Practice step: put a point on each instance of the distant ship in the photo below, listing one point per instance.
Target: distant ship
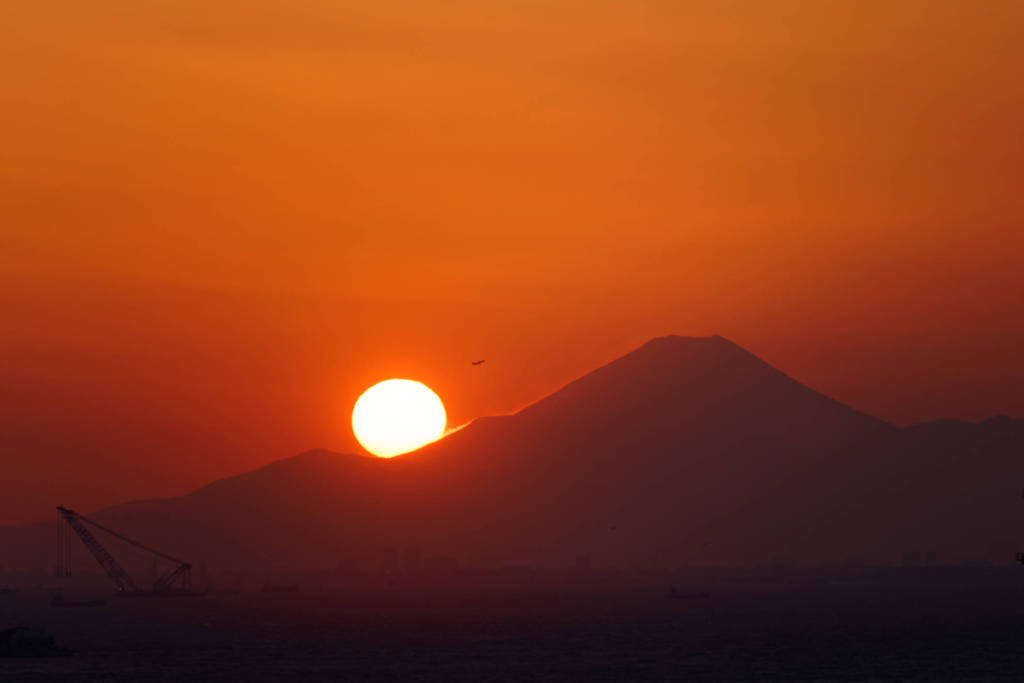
(60, 601)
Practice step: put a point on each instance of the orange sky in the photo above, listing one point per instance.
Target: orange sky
(220, 221)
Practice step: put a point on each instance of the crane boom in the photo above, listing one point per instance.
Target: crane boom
(117, 574)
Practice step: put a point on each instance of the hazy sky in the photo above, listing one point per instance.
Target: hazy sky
(222, 220)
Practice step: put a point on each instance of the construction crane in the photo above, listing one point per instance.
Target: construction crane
(176, 582)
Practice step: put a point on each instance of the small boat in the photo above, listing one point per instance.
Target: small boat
(22, 641)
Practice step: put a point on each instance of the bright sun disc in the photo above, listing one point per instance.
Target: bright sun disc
(397, 416)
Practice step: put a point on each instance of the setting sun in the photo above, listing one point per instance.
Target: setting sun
(397, 416)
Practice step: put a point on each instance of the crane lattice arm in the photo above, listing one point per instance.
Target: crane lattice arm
(116, 573)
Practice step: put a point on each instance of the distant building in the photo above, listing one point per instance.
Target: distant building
(912, 558)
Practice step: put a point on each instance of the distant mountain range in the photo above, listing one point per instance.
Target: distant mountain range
(687, 451)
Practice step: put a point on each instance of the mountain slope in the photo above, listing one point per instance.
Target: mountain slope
(631, 459)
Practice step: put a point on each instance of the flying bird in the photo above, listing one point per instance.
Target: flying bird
(477, 362)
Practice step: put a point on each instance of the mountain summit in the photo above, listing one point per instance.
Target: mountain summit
(672, 387)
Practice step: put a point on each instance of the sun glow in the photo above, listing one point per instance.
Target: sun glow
(397, 416)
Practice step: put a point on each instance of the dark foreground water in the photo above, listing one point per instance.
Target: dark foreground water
(961, 628)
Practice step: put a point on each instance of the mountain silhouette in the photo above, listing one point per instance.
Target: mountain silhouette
(685, 451)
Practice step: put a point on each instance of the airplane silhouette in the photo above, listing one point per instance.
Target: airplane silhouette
(477, 362)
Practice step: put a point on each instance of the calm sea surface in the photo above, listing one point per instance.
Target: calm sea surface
(968, 628)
